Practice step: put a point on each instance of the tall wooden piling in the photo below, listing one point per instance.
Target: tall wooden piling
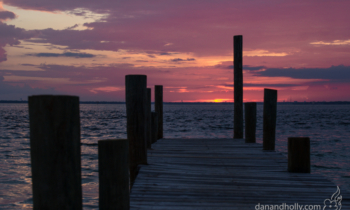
(158, 105)
(299, 154)
(148, 119)
(269, 119)
(113, 167)
(250, 122)
(154, 127)
(55, 151)
(238, 87)
(135, 93)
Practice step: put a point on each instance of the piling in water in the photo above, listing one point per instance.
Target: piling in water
(55, 152)
(238, 87)
(299, 154)
(269, 119)
(113, 167)
(250, 122)
(135, 93)
(154, 127)
(148, 119)
(158, 105)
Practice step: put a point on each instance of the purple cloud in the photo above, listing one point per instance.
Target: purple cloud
(166, 28)
(66, 54)
(15, 92)
(4, 15)
(180, 59)
(335, 73)
(11, 35)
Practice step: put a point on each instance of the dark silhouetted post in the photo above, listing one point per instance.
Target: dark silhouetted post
(135, 93)
(269, 119)
(250, 122)
(158, 106)
(55, 151)
(154, 127)
(299, 154)
(148, 119)
(113, 168)
(238, 87)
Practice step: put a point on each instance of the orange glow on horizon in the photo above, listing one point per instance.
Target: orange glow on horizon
(220, 100)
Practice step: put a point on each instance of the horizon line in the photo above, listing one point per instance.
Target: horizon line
(193, 102)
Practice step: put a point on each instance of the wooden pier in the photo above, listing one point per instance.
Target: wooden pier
(223, 174)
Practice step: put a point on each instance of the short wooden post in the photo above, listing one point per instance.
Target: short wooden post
(238, 87)
(135, 93)
(299, 154)
(113, 168)
(154, 127)
(158, 105)
(55, 151)
(269, 119)
(250, 122)
(148, 119)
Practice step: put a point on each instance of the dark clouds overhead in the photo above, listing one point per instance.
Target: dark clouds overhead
(11, 35)
(15, 92)
(180, 59)
(173, 30)
(337, 73)
(204, 28)
(67, 54)
(252, 68)
(4, 15)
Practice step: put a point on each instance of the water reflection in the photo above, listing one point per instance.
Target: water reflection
(326, 125)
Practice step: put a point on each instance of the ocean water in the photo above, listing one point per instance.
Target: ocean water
(328, 127)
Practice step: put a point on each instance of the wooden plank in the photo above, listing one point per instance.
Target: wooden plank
(223, 174)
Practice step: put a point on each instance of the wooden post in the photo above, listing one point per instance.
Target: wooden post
(148, 119)
(158, 105)
(154, 127)
(113, 168)
(299, 154)
(269, 119)
(238, 87)
(135, 93)
(55, 151)
(250, 122)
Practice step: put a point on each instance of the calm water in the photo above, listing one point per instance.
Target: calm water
(328, 127)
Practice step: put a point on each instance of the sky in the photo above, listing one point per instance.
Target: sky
(85, 48)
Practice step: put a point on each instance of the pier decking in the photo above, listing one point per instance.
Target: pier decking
(223, 174)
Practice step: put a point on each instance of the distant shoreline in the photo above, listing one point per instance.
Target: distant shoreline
(195, 103)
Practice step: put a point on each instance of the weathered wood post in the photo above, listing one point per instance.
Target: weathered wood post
(148, 119)
(154, 127)
(269, 119)
(238, 87)
(250, 122)
(55, 151)
(135, 93)
(158, 106)
(299, 154)
(113, 168)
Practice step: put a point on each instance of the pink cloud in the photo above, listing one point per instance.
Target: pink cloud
(187, 84)
(277, 34)
(202, 28)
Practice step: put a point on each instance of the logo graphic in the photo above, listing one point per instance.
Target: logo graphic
(335, 202)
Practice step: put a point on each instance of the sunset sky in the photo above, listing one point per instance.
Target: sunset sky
(85, 48)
